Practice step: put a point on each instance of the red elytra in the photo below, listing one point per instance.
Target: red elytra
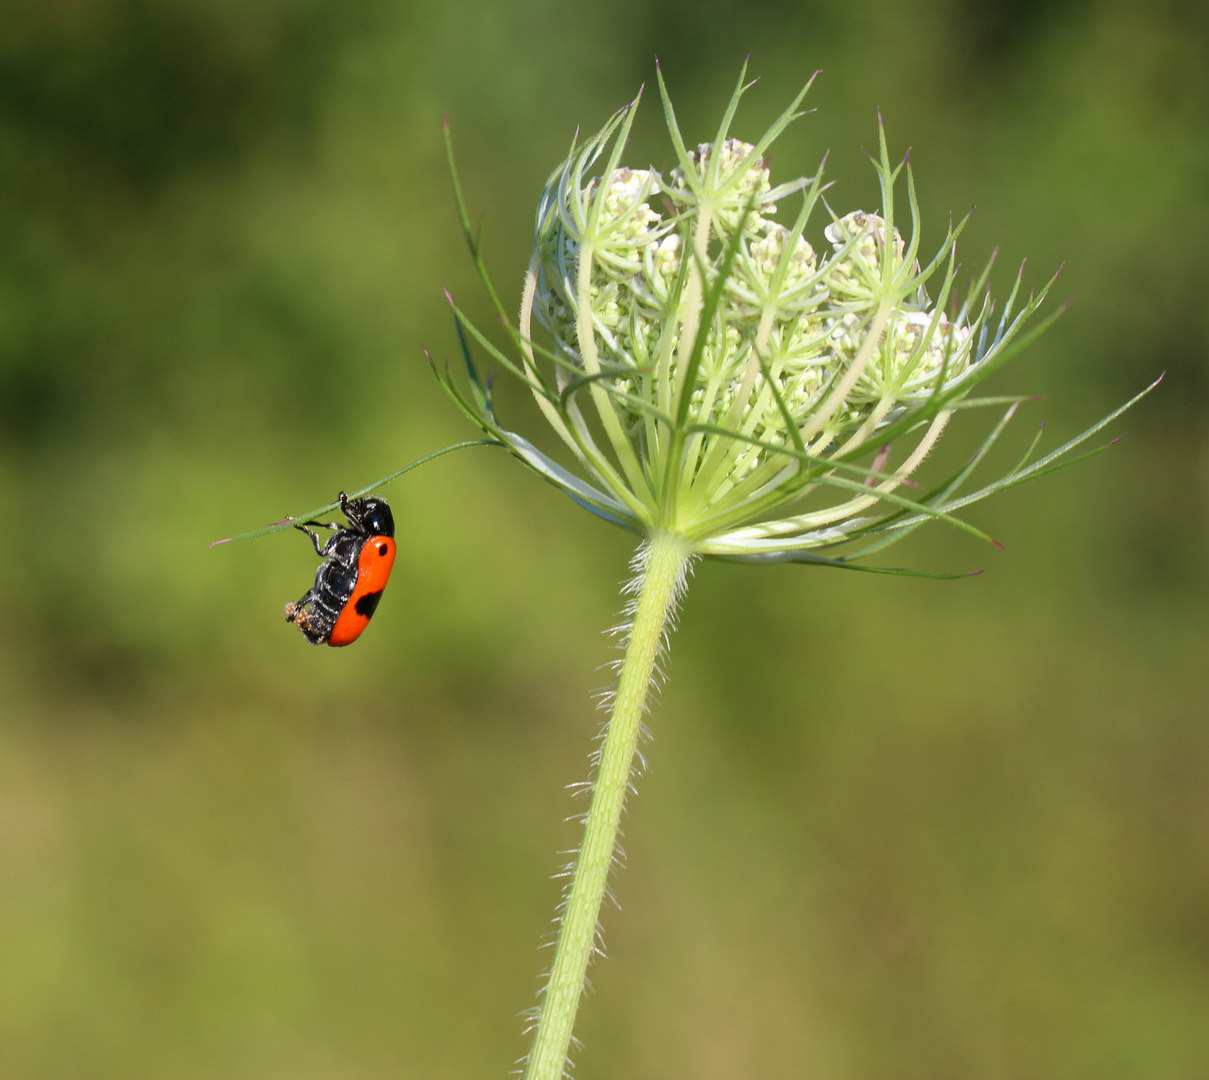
(357, 561)
(376, 561)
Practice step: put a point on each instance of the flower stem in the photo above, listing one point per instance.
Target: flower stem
(661, 566)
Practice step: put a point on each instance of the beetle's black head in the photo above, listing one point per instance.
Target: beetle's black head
(372, 516)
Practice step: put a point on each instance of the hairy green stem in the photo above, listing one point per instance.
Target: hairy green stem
(662, 563)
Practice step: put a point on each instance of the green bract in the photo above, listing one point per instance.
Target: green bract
(717, 377)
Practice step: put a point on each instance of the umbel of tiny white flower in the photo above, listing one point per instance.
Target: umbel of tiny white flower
(717, 377)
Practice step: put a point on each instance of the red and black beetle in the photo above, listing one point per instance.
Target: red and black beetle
(357, 560)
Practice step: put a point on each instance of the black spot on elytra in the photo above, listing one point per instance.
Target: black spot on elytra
(382, 549)
(368, 604)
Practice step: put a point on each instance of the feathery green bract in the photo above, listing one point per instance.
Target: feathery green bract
(290, 520)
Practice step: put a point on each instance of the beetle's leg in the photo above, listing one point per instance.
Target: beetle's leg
(354, 518)
(313, 535)
(330, 545)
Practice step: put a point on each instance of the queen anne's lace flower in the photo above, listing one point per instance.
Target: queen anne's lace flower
(718, 376)
(727, 388)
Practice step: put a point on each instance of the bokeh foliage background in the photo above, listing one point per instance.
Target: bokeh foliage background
(894, 828)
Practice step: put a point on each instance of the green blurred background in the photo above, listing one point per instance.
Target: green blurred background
(893, 828)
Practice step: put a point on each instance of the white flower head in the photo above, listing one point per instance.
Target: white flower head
(714, 375)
